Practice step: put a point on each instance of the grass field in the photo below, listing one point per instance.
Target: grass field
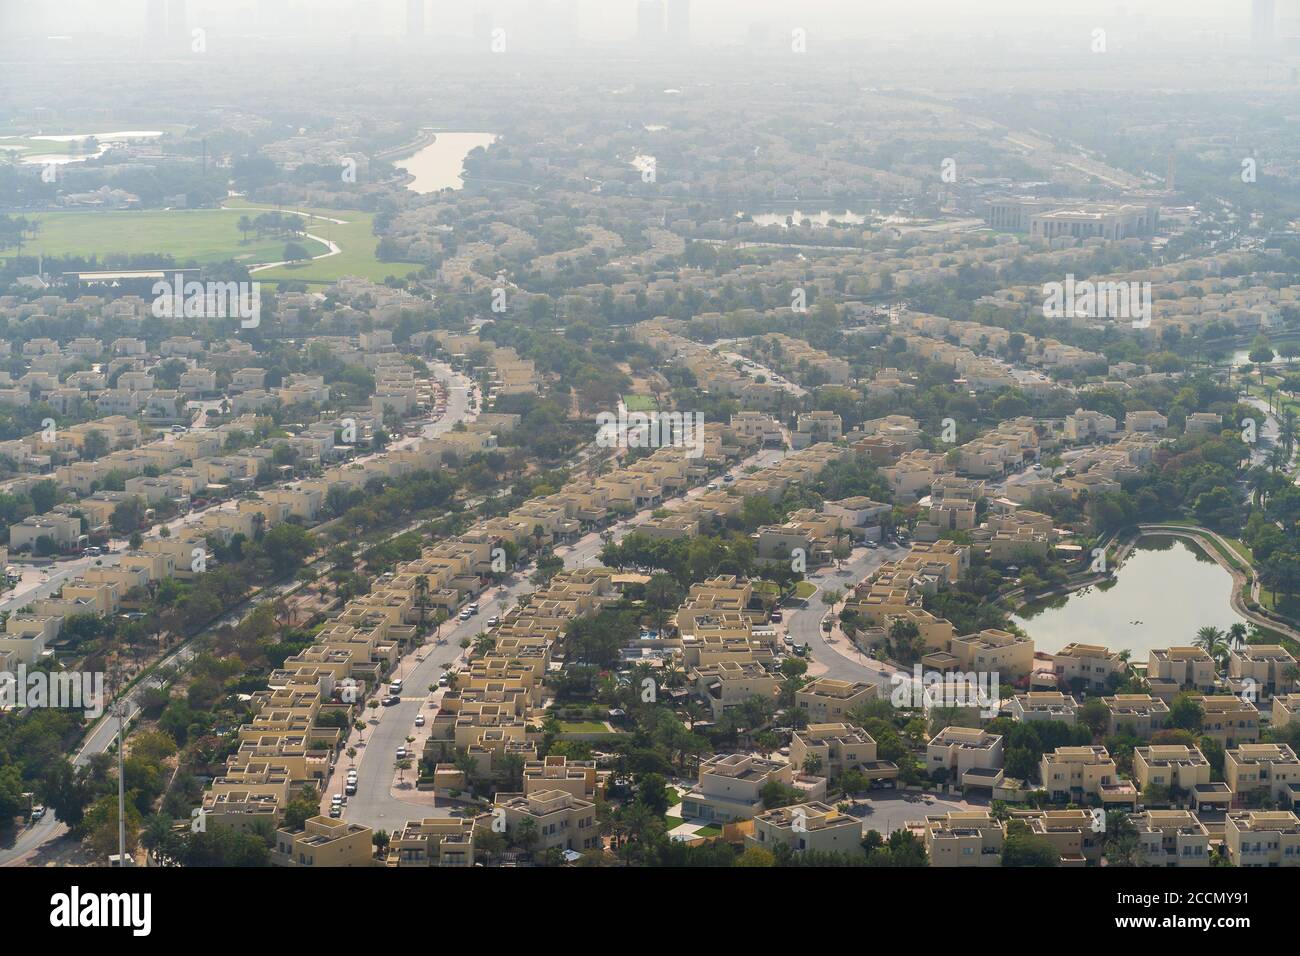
(205, 236)
(355, 239)
(208, 236)
(640, 403)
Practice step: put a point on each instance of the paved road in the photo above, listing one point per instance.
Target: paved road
(841, 660)
(374, 804)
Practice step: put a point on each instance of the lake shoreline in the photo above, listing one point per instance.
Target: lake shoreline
(1098, 609)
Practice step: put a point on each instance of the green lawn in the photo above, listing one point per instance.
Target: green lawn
(207, 236)
(355, 238)
(804, 590)
(20, 146)
(640, 403)
(583, 727)
(204, 236)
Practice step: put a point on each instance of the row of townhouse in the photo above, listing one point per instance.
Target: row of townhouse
(488, 714)
(1192, 294)
(931, 332)
(711, 370)
(103, 590)
(797, 358)
(507, 372)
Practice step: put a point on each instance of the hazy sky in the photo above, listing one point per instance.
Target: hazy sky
(712, 20)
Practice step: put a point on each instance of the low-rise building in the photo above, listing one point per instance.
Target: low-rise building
(324, 842)
(962, 838)
(1076, 773)
(730, 787)
(1171, 838)
(1177, 767)
(1270, 771)
(828, 701)
(808, 826)
(1262, 838)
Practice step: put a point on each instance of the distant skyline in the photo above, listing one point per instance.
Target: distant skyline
(711, 21)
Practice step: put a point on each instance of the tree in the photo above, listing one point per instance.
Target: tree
(94, 445)
(1024, 848)
(1185, 714)
(755, 856)
(1261, 354)
(1211, 640)
(652, 792)
(905, 636)
(127, 516)
(288, 546)
(422, 596)
(1094, 714)
(664, 594)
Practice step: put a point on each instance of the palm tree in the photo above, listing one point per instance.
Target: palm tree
(1237, 634)
(1287, 429)
(1278, 458)
(1258, 480)
(422, 596)
(1211, 640)
(483, 642)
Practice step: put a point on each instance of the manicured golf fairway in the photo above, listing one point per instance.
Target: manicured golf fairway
(355, 239)
(205, 236)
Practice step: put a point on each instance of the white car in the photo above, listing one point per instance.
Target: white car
(419, 720)
(401, 753)
(337, 799)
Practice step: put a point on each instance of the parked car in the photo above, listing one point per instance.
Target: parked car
(337, 799)
(464, 615)
(472, 608)
(777, 615)
(395, 686)
(443, 681)
(401, 753)
(391, 700)
(419, 720)
(38, 812)
(350, 789)
(336, 812)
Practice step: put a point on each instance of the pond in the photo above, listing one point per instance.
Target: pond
(1166, 590)
(440, 164)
